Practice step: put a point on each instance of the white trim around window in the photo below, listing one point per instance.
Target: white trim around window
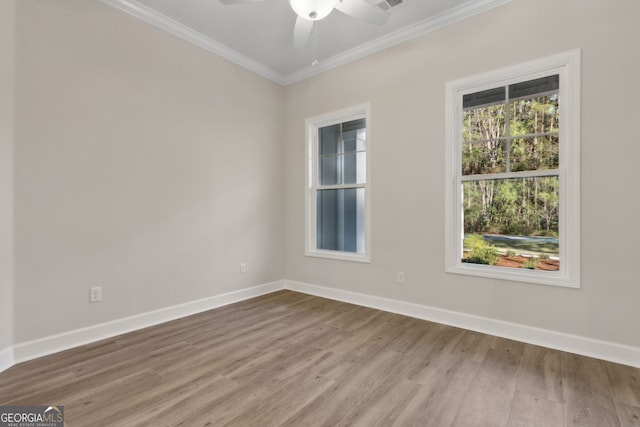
(567, 66)
(314, 186)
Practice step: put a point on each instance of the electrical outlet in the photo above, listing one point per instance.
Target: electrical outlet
(243, 268)
(95, 294)
(400, 277)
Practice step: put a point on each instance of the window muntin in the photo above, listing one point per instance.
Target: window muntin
(514, 166)
(337, 201)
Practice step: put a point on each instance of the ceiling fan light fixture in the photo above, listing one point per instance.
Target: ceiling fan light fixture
(312, 10)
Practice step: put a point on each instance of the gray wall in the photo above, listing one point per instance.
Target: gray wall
(144, 165)
(406, 88)
(7, 32)
(150, 167)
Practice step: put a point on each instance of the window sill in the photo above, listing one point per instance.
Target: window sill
(341, 256)
(519, 275)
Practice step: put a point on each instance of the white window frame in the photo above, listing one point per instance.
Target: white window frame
(312, 125)
(567, 66)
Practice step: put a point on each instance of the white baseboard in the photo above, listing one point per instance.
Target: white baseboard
(6, 358)
(604, 350)
(55, 343)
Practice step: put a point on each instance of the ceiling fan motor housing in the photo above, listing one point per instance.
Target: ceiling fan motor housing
(312, 10)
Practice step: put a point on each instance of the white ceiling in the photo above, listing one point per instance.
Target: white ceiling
(259, 35)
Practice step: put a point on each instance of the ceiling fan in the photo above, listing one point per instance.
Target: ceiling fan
(311, 11)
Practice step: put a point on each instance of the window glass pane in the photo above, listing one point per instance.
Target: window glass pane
(342, 157)
(537, 153)
(354, 140)
(535, 86)
(329, 171)
(354, 125)
(340, 216)
(534, 115)
(486, 97)
(512, 222)
(483, 157)
(354, 168)
(484, 123)
(361, 139)
(329, 140)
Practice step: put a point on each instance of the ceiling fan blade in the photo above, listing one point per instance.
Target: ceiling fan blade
(238, 1)
(363, 10)
(302, 32)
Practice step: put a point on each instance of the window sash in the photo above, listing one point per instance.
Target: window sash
(314, 187)
(511, 175)
(567, 67)
(504, 138)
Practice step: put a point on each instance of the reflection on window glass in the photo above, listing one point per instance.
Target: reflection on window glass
(340, 211)
(341, 220)
(329, 138)
(342, 150)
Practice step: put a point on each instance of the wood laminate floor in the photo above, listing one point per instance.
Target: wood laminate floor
(290, 359)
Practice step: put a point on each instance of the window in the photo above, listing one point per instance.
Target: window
(337, 185)
(512, 184)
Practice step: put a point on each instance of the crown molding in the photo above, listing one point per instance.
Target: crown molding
(458, 13)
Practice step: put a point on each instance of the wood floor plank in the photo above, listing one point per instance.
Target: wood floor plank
(276, 408)
(88, 405)
(218, 357)
(73, 387)
(242, 335)
(474, 345)
(360, 380)
(421, 362)
(629, 415)
(223, 408)
(298, 360)
(334, 365)
(385, 411)
(220, 410)
(437, 402)
(171, 408)
(587, 393)
(410, 336)
(625, 383)
(420, 357)
(529, 410)
(354, 318)
(34, 369)
(488, 400)
(166, 392)
(541, 373)
(26, 391)
(272, 368)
